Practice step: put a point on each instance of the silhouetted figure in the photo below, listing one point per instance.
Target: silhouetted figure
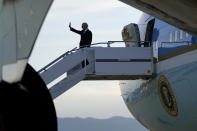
(86, 35)
(86, 38)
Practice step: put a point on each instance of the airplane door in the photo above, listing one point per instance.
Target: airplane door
(149, 32)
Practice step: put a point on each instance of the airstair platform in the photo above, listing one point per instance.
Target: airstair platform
(97, 63)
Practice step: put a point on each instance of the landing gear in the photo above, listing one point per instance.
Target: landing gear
(27, 105)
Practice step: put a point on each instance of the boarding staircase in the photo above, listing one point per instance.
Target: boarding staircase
(99, 63)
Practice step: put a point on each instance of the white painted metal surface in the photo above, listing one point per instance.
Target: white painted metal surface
(123, 68)
(122, 53)
(176, 61)
(61, 66)
(13, 72)
(20, 23)
(123, 61)
(114, 63)
(68, 82)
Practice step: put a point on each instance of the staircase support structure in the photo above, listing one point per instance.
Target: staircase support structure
(97, 63)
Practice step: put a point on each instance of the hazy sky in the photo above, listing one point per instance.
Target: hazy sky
(106, 18)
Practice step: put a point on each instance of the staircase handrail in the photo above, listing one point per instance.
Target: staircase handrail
(57, 59)
(108, 43)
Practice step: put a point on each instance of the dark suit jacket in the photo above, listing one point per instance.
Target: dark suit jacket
(86, 38)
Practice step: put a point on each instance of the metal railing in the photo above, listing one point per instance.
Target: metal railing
(108, 43)
(57, 59)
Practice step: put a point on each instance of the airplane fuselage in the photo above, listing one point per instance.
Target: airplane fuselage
(166, 102)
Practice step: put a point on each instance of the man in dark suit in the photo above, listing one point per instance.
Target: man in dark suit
(86, 35)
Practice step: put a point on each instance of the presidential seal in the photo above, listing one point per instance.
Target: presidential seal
(166, 95)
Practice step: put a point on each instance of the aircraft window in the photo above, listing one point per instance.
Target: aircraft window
(181, 34)
(175, 35)
(155, 47)
(186, 35)
(170, 37)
